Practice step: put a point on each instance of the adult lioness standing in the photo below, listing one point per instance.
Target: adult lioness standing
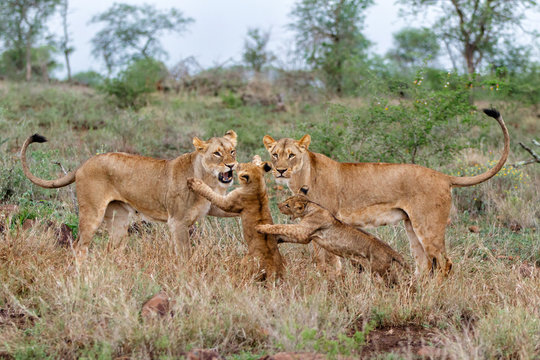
(375, 194)
(113, 186)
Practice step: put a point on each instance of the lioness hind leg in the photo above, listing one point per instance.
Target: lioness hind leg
(417, 250)
(90, 217)
(117, 218)
(431, 237)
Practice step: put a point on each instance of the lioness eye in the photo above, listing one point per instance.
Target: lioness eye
(274, 156)
(291, 156)
(217, 153)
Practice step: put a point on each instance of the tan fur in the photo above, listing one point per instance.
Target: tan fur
(319, 225)
(250, 200)
(113, 186)
(376, 194)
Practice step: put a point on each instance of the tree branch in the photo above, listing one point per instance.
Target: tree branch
(535, 159)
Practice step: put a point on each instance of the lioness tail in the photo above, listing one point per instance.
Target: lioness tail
(49, 184)
(473, 180)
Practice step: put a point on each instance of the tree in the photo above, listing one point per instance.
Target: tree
(133, 32)
(474, 27)
(255, 53)
(413, 46)
(65, 41)
(23, 22)
(328, 34)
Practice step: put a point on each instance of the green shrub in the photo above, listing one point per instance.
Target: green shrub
(89, 78)
(130, 89)
(425, 129)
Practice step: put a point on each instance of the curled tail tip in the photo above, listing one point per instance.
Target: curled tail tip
(38, 138)
(493, 113)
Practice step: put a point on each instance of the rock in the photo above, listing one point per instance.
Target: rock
(159, 304)
(474, 229)
(202, 354)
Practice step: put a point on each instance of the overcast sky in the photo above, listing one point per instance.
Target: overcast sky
(220, 28)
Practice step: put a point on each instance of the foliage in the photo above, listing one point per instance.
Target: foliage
(131, 87)
(132, 31)
(413, 46)
(423, 129)
(474, 28)
(24, 23)
(328, 34)
(256, 54)
(41, 58)
(90, 78)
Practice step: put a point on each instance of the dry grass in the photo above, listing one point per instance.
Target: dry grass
(487, 307)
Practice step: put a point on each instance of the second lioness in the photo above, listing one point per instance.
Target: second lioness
(319, 225)
(250, 200)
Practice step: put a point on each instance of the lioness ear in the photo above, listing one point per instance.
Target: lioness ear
(231, 136)
(304, 142)
(304, 189)
(199, 144)
(268, 142)
(266, 166)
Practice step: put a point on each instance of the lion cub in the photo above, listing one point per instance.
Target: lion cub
(319, 225)
(250, 200)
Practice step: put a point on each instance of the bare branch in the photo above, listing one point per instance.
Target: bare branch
(535, 159)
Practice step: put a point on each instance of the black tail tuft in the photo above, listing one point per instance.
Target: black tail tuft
(38, 138)
(493, 113)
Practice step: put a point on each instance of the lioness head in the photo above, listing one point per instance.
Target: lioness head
(296, 206)
(218, 156)
(287, 155)
(253, 172)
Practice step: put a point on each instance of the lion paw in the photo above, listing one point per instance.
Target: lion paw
(193, 183)
(262, 228)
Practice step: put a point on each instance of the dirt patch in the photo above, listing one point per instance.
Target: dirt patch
(414, 340)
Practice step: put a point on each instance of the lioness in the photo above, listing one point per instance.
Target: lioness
(250, 200)
(113, 186)
(376, 194)
(319, 225)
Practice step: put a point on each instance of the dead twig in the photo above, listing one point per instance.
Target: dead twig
(535, 159)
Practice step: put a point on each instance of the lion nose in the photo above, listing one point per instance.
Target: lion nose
(281, 171)
(230, 166)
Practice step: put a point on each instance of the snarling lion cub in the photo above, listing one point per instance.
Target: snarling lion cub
(376, 194)
(250, 200)
(319, 225)
(113, 186)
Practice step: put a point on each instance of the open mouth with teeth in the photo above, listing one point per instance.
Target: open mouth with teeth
(226, 177)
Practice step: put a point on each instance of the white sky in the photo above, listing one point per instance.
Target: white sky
(220, 28)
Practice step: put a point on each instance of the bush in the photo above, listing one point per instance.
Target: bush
(130, 89)
(89, 78)
(423, 130)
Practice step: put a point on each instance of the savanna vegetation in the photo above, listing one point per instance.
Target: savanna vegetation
(356, 105)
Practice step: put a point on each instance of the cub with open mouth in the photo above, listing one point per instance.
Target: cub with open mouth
(250, 200)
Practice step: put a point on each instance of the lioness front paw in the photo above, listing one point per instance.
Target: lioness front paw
(194, 183)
